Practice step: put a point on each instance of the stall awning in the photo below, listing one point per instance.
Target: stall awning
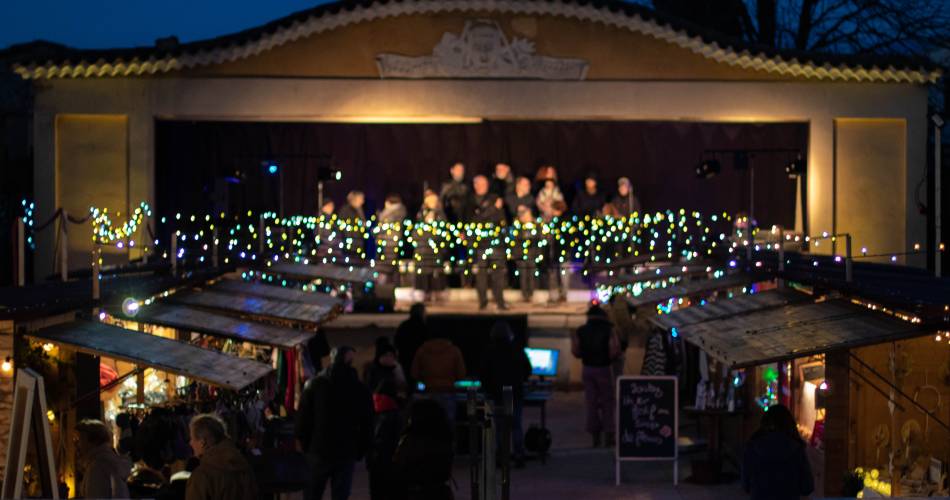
(207, 366)
(796, 331)
(645, 274)
(258, 307)
(276, 292)
(331, 272)
(723, 308)
(655, 295)
(218, 325)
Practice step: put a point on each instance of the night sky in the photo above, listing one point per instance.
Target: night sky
(125, 23)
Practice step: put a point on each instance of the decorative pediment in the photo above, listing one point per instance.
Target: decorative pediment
(482, 50)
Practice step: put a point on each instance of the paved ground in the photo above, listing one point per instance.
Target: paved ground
(575, 471)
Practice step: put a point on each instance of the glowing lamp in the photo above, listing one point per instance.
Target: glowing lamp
(130, 307)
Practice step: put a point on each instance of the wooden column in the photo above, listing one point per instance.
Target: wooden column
(837, 421)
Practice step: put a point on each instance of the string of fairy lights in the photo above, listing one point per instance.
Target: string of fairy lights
(414, 246)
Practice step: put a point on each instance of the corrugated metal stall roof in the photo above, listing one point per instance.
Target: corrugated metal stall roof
(207, 366)
(276, 292)
(332, 272)
(722, 308)
(254, 306)
(796, 331)
(196, 320)
(655, 295)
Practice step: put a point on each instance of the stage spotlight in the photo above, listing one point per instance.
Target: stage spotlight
(708, 168)
(796, 167)
(329, 174)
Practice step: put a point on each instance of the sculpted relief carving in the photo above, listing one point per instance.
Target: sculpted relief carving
(481, 51)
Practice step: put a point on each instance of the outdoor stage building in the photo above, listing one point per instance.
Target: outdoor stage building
(110, 125)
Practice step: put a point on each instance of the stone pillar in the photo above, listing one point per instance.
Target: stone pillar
(44, 191)
(837, 421)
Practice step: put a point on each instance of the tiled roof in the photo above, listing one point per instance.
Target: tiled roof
(44, 60)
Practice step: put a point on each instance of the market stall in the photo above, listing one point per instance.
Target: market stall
(242, 287)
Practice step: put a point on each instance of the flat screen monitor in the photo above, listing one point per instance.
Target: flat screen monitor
(543, 361)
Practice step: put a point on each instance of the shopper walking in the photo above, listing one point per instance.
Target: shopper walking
(222, 472)
(597, 345)
(438, 365)
(410, 335)
(774, 466)
(104, 472)
(334, 426)
(423, 460)
(506, 364)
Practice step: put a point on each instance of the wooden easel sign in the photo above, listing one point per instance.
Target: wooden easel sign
(647, 420)
(29, 421)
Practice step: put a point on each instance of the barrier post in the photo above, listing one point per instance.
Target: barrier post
(260, 235)
(173, 258)
(848, 274)
(96, 256)
(63, 247)
(473, 440)
(21, 253)
(214, 247)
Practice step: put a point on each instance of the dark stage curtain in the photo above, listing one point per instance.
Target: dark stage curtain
(659, 157)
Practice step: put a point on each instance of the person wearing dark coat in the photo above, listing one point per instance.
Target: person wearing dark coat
(222, 472)
(386, 428)
(456, 196)
(423, 459)
(774, 464)
(588, 201)
(410, 335)
(503, 182)
(353, 210)
(429, 251)
(520, 197)
(489, 252)
(596, 344)
(624, 202)
(385, 368)
(334, 426)
(506, 364)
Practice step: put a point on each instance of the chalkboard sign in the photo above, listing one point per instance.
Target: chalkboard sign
(647, 418)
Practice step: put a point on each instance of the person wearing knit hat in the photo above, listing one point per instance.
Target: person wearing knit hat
(624, 202)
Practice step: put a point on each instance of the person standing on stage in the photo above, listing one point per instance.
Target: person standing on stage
(353, 210)
(521, 196)
(548, 196)
(334, 426)
(527, 251)
(456, 196)
(393, 210)
(489, 250)
(503, 182)
(327, 209)
(428, 252)
(596, 344)
(624, 202)
(588, 201)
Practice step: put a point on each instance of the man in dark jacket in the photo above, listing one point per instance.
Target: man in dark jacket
(521, 197)
(775, 466)
(506, 364)
(410, 335)
(588, 201)
(503, 182)
(596, 344)
(489, 252)
(456, 195)
(223, 471)
(334, 426)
